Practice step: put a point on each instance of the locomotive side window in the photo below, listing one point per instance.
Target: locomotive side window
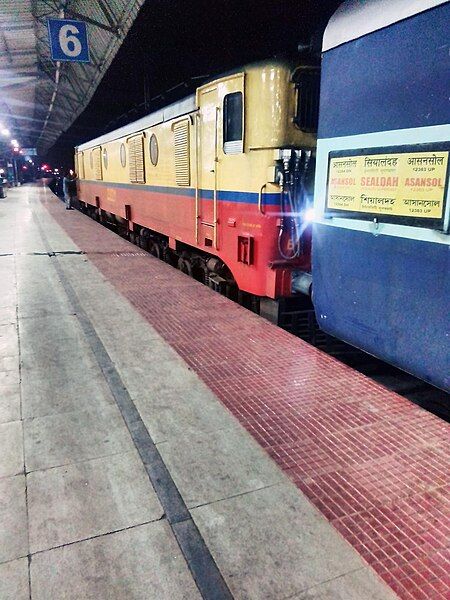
(233, 120)
(307, 83)
(123, 155)
(154, 151)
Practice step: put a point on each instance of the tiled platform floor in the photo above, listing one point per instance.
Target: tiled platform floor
(376, 465)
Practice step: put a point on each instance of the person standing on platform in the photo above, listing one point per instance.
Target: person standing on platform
(70, 188)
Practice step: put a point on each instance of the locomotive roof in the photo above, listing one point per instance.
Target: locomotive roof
(177, 109)
(172, 111)
(355, 18)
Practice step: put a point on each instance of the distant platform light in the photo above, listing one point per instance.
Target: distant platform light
(5, 131)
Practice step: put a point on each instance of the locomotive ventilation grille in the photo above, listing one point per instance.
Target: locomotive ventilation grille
(97, 160)
(181, 140)
(136, 159)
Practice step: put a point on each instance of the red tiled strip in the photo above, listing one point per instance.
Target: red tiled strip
(376, 465)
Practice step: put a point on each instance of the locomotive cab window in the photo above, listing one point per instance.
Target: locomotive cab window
(307, 84)
(233, 123)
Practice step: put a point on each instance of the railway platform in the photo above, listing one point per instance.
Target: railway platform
(159, 441)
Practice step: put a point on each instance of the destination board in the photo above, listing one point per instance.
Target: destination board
(396, 184)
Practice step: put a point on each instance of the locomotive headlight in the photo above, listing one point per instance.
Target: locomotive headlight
(309, 215)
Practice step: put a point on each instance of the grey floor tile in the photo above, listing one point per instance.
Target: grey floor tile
(66, 378)
(86, 499)
(211, 466)
(178, 414)
(143, 563)
(362, 584)
(14, 580)
(65, 438)
(13, 519)
(41, 334)
(40, 308)
(9, 378)
(11, 445)
(151, 351)
(9, 403)
(9, 363)
(9, 342)
(8, 299)
(173, 376)
(7, 314)
(272, 543)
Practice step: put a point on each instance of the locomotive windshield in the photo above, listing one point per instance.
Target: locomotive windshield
(232, 118)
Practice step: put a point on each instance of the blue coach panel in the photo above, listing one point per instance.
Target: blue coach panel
(381, 262)
(394, 78)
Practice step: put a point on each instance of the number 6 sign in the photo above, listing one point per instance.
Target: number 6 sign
(68, 40)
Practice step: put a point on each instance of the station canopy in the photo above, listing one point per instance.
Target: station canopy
(41, 98)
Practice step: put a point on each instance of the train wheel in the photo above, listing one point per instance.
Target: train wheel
(185, 266)
(154, 249)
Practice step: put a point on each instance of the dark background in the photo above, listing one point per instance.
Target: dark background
(172, 42)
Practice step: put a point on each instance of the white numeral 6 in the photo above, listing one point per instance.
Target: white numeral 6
(70, 45)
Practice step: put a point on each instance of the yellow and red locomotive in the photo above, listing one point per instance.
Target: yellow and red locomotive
(221, 181)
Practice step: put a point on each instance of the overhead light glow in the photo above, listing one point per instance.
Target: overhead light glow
(5, 131)
(14, 143)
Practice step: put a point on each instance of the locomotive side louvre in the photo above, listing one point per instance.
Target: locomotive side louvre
(97, 163)
(209, 175)
(181, 152)
(136, 165)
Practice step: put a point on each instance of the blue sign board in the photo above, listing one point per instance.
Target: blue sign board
(68, 40)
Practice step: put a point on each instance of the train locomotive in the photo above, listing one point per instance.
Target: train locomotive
(224, 184)
(220, 182)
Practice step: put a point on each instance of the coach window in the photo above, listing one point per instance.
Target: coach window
(233, 120)
(105, 158)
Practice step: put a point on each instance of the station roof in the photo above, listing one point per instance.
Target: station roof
(39, 98)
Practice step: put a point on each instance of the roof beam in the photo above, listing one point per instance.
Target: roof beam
(5, 43)
(10, 54)
(111, 28)
(107, 12)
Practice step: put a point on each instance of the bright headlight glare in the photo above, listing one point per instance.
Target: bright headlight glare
(309, 215)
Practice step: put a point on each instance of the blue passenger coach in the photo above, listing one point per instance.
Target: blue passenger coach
(381, 239)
